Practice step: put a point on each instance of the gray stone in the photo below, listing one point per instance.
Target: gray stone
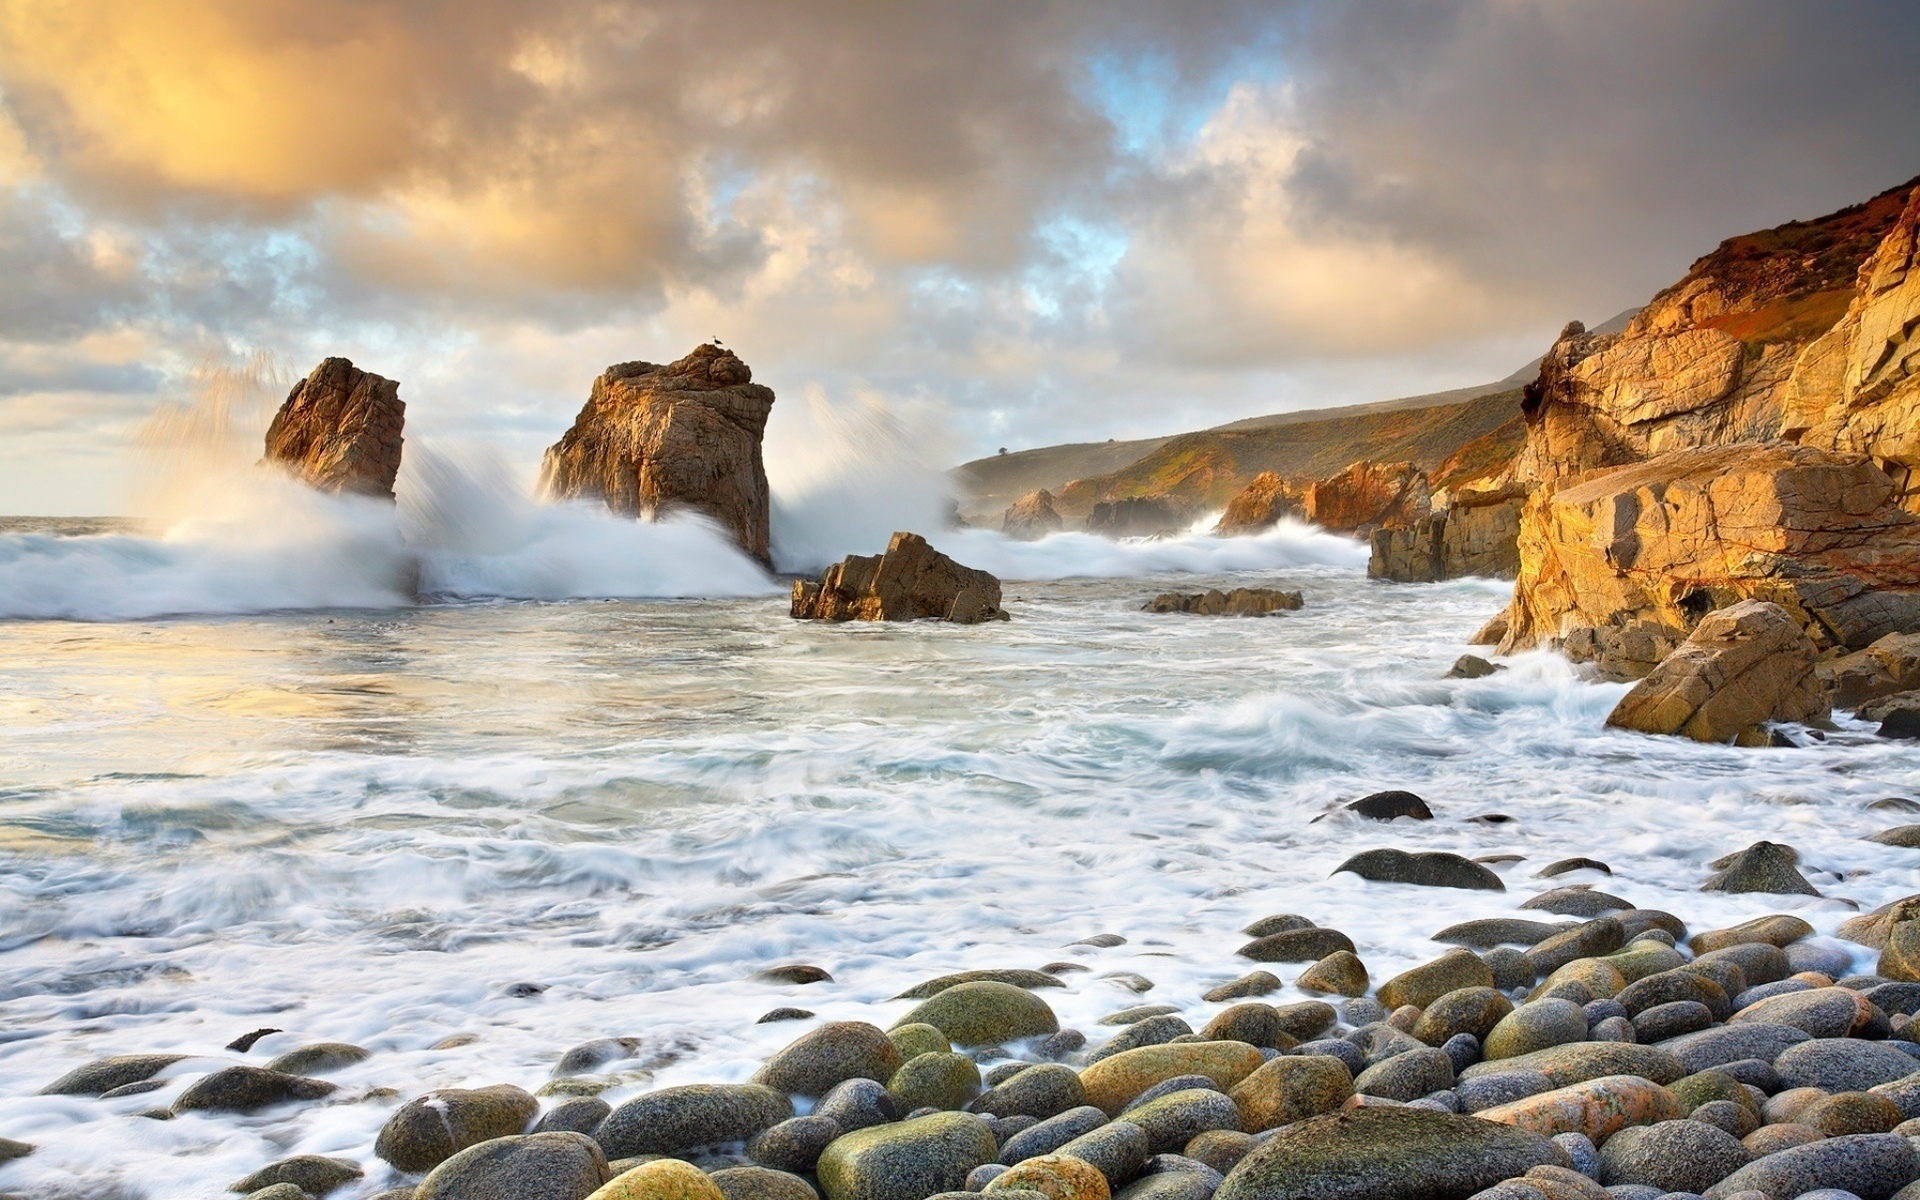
(1168, 1185)
(676, 1119)
(985, 1013)
(1577, 902)
(984, 1174)
(1758, 962)
(1580, 1151)
(248, 1089)
(1277, 923)
(1385, 806)
(1602, 935)
(1167, 1087)
(1536, 1025)
(538, 1166)
(1488, 932)
(1297, 945)
(1015, 978)
(1668, 987)
(1614, 1029)
(1841, 1064)
(1172, 1121)
(1432, 869)
(1765, 991)
(1387, 1154)
(1731, 1043)
(1462, 1050)
(1578, 1062)
(1671, 1020)
(1871, 1165)
(311, 1173)
(288, 1191)
(1257, 983)
(427, 1130)
(1407, 1076)
(1149, 1031)
(1042, 1091)
(859, 1104)
(582, 1114)
(1894, 997)
(1762, 867)
(1340, 1048)
(794, 1144)
(1674, 1156)
(909, 1160)
(1819, 954)
(109, 1073)
(1118, 1150)
(1511, 968)
(813, 1063)
(1045, 1137)
(1829, 1012)
(933, 1080)
(1500, 1087)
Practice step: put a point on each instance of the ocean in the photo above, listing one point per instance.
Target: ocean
(469, 790)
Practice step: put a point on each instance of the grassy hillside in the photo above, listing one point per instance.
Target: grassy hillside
(1208, 466)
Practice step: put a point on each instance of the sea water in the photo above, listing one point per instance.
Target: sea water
(598, 779)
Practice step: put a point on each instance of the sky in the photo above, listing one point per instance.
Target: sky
(985, 223)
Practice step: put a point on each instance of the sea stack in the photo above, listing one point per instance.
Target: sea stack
(340, 430)
(912, 581)
(657, 439)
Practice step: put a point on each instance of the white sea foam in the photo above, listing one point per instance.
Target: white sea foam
(368, 827)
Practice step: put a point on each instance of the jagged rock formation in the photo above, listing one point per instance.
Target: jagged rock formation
(1240, 602)
(1476, 533)
(1885, 668)
(341, 430)
(1742, 666)
(1031, 517)
(1141, 516)
(1617, 570)
(911, 581)
(1857, 388)
(657, 439)
(1368, 496)
(1707, 361)
(1260, 506)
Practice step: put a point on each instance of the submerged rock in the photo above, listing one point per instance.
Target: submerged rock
(912, 581)
(340, 430)
(1432, 869)
(656, 439)
(109, 1073)
(1140, 516)
(1240, 602)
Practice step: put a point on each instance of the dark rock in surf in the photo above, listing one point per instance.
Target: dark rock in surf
(910, 582)
(1431, 869)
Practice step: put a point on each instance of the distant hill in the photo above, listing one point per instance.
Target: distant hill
(1454, 436)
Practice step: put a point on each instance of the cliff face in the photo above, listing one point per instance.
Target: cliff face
(1856, 389)
(1031, 517)
(685, 436)
(340, 430)
(1260, 506)
(1368, 496)
(1707, 361)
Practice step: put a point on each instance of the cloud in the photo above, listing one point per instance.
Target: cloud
(1064, 220)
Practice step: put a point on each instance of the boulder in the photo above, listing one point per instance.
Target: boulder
(106, 1074)
(835, 1052)
(427, 1130)
(1386, 1154)
(656, 439)
(311, 1173)
(1673, 1156)
(1031, 517)
(1597, 1108)
(1435, 868)
(1112, 1082)
(1291, 1088)
(340, 430)
(908, 1160)
(1742, 666)
(1260, 506)
(911, 581)
(539, 1166)
(983, 1013)
(1140, 516)
(1872, 1166)
(1762, 867)
(1368, 496)
(1617, 570)
(248, 1089)
(662, 1179)
(1240, 602)
(677, 1119)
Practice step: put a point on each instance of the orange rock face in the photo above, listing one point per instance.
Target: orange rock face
(1260, 506)
(1743, 665)
(1598, 1108)
(682, 437)
(911, 581)
(1031, 517)
(1368, 496)
(1617, 570)
(340, 430)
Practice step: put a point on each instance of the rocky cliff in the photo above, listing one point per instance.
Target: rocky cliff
(1475, 531)
(686, 436)
(1140, 516)
(1368, 496)
(1619, 569)
(1031, 517)
(1856, 389)
(1260, 506)
(340, 430)
(1708, 361)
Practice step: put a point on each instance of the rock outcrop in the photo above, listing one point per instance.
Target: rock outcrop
(1857, 388)
(1032, 517)
(1885, 668)
(340, 430)
(1141, 516)
(1475, 533)
(681, 437)
(1368, 496)
(1744, 665)
(1619, 569)
(1260, 506)
(910, 582)
(1240, 602)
